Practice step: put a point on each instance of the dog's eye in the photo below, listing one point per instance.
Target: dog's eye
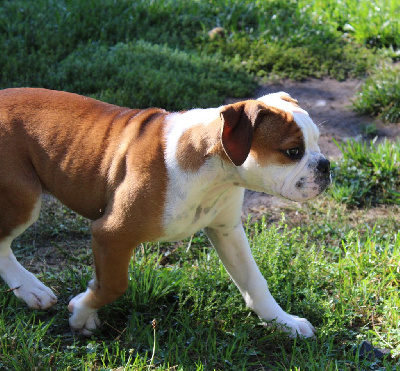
(293, 152)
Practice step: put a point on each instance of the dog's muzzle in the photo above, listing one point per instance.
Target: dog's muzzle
(310, 178)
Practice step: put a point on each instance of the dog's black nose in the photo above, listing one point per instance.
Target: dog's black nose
(324, 166)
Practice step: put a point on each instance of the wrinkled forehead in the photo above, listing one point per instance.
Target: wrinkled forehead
(286, 103)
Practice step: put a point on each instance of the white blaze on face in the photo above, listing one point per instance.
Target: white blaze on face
(309, 129)
(275, 100)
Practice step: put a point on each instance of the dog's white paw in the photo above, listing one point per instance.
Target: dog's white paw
(294, 325)
(34, 293)
(84, 320)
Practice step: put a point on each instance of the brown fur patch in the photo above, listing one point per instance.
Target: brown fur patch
(81, 151)
(196, 144)
(275, 134)
(289, 99)
(102, 161)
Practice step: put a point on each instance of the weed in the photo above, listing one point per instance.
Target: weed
(370, 130)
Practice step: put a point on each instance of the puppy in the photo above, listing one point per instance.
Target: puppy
(150, 175)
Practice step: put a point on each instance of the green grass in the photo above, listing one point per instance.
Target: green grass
(336, 266)
(369, 23)
(343, 278)
(139, 74)
(380, 94)
(367, 174)
(145, 53)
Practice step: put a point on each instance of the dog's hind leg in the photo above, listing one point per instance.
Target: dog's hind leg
(23, 283)
(111, 257)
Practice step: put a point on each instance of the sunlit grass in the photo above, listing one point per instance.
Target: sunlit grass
(380, 94)
(344, 279)
(367, 174)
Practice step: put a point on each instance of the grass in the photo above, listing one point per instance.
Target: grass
(368, 173)
(380, 94)
(343, 276)
(369, 23)
(141, 53)
(139, 74)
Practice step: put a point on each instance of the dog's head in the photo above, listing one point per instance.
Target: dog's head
(273, 143)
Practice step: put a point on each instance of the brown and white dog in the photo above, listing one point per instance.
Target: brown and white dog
(150, 175)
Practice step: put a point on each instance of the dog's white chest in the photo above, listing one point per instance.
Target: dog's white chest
(189, 209)
(193, 197)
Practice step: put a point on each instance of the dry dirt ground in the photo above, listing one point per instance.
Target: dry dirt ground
(329, 104)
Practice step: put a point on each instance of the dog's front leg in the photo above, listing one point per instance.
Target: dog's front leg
(234, 251)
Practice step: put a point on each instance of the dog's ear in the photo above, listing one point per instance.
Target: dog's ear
(239, 120)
